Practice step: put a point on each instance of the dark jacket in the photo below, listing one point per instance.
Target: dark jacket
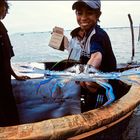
(108, 61)
(6, 53)
(100, 42)
(8, 110)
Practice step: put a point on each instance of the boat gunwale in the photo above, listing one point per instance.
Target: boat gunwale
(100, 129)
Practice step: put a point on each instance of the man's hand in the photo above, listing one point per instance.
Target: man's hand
(91, 86)
(66, 43)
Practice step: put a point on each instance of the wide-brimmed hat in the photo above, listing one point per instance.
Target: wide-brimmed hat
(94, 4)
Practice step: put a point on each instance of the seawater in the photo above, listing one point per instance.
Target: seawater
(33, 46)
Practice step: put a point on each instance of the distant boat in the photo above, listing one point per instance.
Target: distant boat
(98, 123)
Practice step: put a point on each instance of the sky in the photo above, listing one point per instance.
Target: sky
(41, 16)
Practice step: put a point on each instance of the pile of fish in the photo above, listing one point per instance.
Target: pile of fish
(86, 73)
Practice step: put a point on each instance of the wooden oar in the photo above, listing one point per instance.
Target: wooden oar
(132, 32)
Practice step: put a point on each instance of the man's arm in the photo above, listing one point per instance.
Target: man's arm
(95, 61)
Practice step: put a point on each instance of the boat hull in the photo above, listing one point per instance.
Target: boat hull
(73, 125)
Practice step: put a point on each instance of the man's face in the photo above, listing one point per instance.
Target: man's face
(86, 18)
(3, 12)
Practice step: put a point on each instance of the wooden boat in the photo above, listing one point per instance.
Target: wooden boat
(96, 123)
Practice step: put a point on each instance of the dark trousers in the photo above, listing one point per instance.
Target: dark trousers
(8, 109)
(89, 99)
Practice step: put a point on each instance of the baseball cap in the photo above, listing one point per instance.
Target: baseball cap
(94, 4)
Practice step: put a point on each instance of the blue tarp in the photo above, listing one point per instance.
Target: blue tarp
(40, 103)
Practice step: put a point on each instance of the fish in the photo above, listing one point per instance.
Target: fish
(86, 73)
(81, 72)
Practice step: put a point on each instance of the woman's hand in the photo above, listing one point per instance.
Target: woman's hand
(22, 78)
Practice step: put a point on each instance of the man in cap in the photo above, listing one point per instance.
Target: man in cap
(95, 46)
